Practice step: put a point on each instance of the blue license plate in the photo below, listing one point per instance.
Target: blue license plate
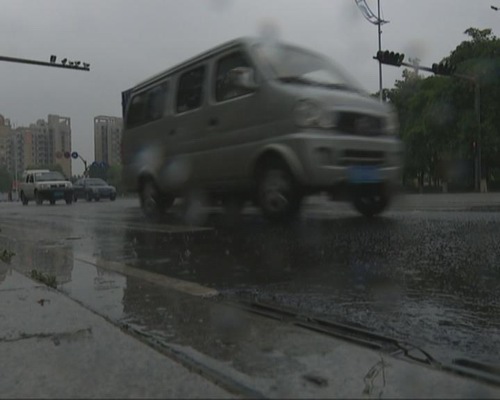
(58, 194)
(364, 174)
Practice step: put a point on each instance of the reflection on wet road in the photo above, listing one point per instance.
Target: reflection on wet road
(431, 278)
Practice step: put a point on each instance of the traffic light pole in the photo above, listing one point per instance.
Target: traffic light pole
(379, 24)
(86, 67)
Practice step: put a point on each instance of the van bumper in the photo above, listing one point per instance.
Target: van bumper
(330, 160)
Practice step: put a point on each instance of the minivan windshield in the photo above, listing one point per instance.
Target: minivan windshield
(297, 66)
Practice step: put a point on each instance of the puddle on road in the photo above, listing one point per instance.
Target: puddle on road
(342, 280)
(97, 289)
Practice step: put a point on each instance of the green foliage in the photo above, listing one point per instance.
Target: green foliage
(97, 172)
(46, 279)
(5, 180)
(6, 256)
(437, 114)
(114, 177)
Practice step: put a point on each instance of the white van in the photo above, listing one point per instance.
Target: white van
(251, 120)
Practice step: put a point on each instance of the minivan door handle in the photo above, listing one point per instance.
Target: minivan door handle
(213, 122)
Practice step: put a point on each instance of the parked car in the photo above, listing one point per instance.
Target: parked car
(256, 121)
(42, 184)
(93, 189)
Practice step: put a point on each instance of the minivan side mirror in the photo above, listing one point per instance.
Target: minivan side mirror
(243, 78)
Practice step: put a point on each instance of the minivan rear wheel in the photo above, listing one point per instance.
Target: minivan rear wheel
(153, 202)
(278, 193)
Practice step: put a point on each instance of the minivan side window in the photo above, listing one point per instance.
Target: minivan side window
(190, 90)
(147, 106)
(223, 89)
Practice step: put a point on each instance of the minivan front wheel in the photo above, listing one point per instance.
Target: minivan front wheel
(371, 201)
(278, 194)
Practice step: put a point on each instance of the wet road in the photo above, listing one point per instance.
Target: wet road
(428, 277)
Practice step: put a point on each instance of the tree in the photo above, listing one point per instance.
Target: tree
(5, 180)
(114, 175)
(437, 116)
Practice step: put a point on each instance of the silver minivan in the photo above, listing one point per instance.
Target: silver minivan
(261, 121)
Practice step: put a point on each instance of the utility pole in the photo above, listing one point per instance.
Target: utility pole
(379, 24)
(375, 20)
(477, 107)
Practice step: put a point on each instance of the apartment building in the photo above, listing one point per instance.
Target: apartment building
(41, 143)
(107, 139)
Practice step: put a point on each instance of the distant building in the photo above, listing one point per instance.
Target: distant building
(5, 134)
(59, 142)
(42, 143)
(107, 139)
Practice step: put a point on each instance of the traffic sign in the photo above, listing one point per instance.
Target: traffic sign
(67, 154)
(74, 155)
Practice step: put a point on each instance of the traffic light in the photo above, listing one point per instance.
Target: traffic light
(444, 68)
(390, 58)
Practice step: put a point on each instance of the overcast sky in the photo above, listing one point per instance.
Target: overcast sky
(126, 41)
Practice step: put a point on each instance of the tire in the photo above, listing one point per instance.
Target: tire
(69, 200)
(233, 206)
(52, 202)
(278, 193)
(153, 202)
(38, 199)
(112, 198)
(89, 197)
(97, 198)
(371, 201)
(24, 199)
(75, 198)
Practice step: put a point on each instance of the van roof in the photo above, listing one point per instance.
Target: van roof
(199, 57)
(35, 171)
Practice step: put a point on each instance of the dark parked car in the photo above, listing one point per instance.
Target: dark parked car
(93, 189)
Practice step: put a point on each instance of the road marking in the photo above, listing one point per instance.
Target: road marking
(179, 285)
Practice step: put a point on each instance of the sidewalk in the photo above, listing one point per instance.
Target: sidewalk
(51, 347)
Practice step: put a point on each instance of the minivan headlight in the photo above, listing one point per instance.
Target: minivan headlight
(309, 114)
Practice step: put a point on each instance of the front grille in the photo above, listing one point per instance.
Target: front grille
(360, 124)
(61, 185)
(361, 157)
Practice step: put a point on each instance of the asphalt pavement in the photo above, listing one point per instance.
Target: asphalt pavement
(426, 273)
